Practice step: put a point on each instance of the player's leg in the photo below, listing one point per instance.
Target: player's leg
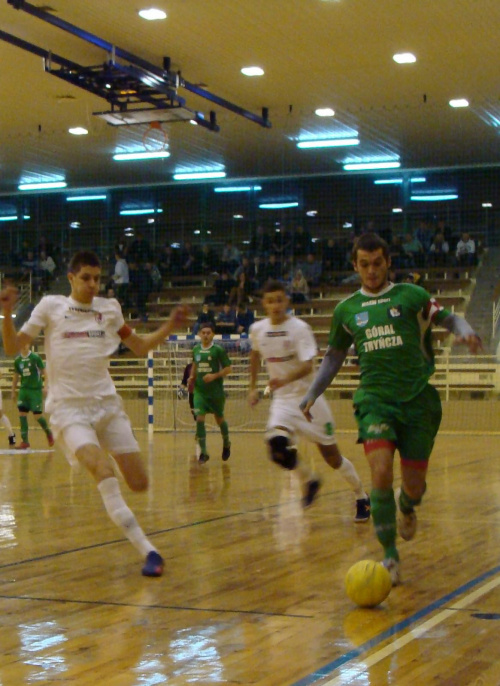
(6, 422)
(280, 438)
(201, 409)
(423, 417)
(224, 429)
(376, 432)
(24, 428)
(36, 405)
(322, 432)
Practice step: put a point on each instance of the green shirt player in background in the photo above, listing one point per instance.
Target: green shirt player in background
(29, 368)
(395, 406)
(210, 365)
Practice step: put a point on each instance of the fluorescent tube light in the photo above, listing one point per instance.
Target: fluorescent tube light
(435, 197)
(200, 175)
(82, 198)
(236, 189)
(360, 166)
(277, 205)
(42, 186)
(328, 143)
(158, 154)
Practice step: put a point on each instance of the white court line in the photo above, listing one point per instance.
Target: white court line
(26, 451)
(354, 671)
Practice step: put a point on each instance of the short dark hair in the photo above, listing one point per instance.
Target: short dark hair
(273, 286)
(207, 325)
(369, 242)
(83, 258)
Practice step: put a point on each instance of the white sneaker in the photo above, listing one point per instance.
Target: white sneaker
(407, 522)
(392, 567)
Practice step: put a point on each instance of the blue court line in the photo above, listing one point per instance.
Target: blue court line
(328, 669)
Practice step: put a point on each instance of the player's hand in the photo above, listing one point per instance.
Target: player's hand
(8, 298)
(253, 397)
(208, 378)
(179, 316)
(306, 409)
(473, 342)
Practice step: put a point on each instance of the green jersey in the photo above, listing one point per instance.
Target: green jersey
(209, 361)
(30, 370)
(392, 336)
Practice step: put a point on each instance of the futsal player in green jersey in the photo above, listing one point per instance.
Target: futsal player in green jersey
(29, 368)
(395, 406)
(211, 365)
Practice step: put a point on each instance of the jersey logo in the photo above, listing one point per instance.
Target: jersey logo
(361, 319)
(395, 311)
(329, 429)
(197, 358)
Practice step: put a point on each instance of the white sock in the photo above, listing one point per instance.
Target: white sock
(6, 422)
(350, 474)
(122, 515)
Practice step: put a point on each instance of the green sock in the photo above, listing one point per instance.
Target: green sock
(23, 421)
(407, 504)
(201, 435)
(383, 509)
(224, 429)
(43, 423)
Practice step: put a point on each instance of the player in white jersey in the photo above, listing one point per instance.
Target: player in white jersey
(81, 332)
(287, 346)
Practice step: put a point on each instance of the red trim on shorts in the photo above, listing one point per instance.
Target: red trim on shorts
(416, 464)
(375, 444)
(124, 332)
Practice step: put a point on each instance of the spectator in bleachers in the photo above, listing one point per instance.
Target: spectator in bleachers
(439, 251)
(466, 251)
(121, 279)
(156, 278)
(311, 269)
(256, 273)
(206, 316)
(47, 268)
(399, 257)
(413, 249)
(244, 318)
(167, 262)
(140, 250)
(260, 243)
(299, 288)
(244, 267)
(424, 234)
(281, 244)
(332, 256)
(241, 291)
(231, 258)
(272, 269)
(226, 320)
(187, 260)
(301, 243)
(209, 260)
(144, 289)
(222, 288)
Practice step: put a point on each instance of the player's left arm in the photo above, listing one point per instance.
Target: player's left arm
(456, 325)
(142, 344)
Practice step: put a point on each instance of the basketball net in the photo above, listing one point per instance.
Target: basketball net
(155, 138)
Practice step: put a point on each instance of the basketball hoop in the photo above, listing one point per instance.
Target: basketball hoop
(155, 138)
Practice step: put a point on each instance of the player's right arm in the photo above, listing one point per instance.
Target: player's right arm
(253, 394)
(13, 340)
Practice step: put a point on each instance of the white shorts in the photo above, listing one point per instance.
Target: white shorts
(102, 423)
(285, 412)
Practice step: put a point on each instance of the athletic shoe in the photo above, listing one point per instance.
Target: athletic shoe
(362, 510)
(22, 446)
(154, 564)
(203, 458)
(12, 439)
(312, 488)
(392, 567)
(407, 521)
(50, 439)
(226, 452)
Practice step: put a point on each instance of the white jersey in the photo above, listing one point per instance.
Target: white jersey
(282, 347)
(79, 340)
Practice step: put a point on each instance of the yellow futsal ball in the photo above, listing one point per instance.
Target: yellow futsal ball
(368, 583)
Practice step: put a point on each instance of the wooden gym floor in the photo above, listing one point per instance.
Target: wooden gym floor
(253, 589)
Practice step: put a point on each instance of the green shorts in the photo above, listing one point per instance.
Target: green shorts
(206, 405)
(411, 425)
(30, 399)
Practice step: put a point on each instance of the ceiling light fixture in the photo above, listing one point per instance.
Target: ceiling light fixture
(82, 198)
(199, 175)
(78, 131)
(459, 102)
(252, 71)
(13, 217)
(404, 58)
(362, 166)
(324, 112)
(277, 206)
(42, 185)
(486, 204)
(125, 156)
(236, 189)
(382, 182)
(152, 14)
(328, 143)
(434, 197)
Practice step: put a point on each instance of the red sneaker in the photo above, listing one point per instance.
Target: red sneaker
(50, 439)
(22, 446)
